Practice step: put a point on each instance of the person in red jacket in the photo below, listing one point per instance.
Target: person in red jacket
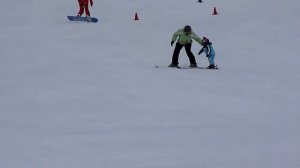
(84, 6)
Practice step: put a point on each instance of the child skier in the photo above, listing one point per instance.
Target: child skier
(84, 6)
(209, 51)
(185, 37)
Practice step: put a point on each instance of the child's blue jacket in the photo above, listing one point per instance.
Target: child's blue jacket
(208, 49)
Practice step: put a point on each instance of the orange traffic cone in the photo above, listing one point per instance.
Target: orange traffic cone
(136, 17)
(215, 11)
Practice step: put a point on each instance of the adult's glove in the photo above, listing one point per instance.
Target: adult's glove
(92, 2)
(172, 42)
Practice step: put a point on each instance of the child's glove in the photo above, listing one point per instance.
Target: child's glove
(200, 52)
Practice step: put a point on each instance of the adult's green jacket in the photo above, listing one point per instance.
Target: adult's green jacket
(184, 38)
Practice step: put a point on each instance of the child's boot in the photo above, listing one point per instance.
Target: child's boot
(211, 66)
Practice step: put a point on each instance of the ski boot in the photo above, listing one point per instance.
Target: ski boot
(212, 66)
(88, 19)
(193, 66)
(173, 65)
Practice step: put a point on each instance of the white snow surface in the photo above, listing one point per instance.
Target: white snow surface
(87, 95)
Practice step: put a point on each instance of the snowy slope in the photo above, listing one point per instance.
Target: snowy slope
(76, 95)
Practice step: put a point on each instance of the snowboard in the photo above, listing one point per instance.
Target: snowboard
(77, 18)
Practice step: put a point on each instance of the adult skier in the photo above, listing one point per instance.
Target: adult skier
(84, 6)
(184, 39)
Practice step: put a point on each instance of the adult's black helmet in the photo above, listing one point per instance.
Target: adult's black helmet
(187, 29)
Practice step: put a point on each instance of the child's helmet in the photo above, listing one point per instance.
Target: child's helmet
(205, 40)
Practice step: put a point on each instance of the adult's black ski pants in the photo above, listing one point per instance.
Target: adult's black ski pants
(189, 53)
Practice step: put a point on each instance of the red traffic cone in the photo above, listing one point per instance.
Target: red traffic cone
(215, 11)
(136, 17)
